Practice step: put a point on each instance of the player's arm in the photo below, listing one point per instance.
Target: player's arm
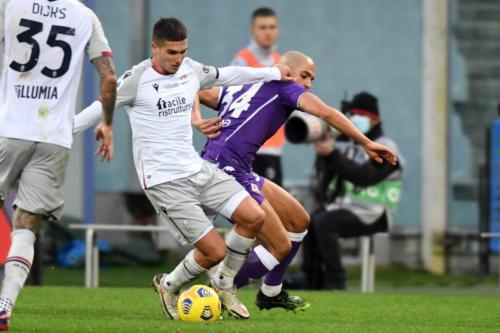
(310, 103)
(238, 75)
(106, 69)
(209, 127)
(125, 96)
(99, 53)
(210, 76)
(87, 118)
(210, 97)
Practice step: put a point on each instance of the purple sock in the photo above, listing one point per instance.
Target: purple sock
(277, 275)
(251, 269)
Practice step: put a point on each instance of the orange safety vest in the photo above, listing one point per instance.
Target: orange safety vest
(277, 141)
(4, 237)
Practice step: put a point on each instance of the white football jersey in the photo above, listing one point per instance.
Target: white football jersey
(44, 47)
(159, 108)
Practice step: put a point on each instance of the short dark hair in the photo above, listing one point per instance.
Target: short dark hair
(169, 28)
(263, 12)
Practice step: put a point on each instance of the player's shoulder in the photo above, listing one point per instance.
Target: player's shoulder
(288, 84)
(134, 74)
(206, 74)
(140, 68)
(195, 65)
(286, 87)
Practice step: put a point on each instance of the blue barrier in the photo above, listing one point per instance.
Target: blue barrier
(495, 184)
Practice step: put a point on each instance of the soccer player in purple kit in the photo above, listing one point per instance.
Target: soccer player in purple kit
(248, 116)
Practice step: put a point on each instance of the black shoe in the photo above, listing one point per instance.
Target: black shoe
(282, 300)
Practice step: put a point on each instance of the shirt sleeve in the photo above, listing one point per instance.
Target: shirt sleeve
(126, 88)
(290, 93)
(98, 45)
(211, 76)
(207, 75)
(89, 117)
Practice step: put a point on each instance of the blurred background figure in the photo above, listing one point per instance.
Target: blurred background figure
(355, 195)
(261, 53)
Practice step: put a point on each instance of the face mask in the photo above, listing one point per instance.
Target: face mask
(362, 123)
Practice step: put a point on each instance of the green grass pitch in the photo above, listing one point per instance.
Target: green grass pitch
(76, 309)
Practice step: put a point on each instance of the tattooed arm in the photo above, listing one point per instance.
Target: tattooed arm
(106, 69)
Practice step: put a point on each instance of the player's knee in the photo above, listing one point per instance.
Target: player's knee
(304, 222)
(25, 220)
(256, 220)
(299, 222)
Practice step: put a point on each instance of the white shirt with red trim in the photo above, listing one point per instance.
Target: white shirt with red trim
(159, 107)
(43, 47)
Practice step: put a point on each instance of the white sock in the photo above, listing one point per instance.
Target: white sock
(265, 257)
(18, 263)
(271, 291)
(238, 248)
(297, 237)
(185, 271)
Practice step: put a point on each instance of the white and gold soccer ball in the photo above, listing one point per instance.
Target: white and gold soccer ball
(199, 304)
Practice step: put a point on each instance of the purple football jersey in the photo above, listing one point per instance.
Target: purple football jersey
(250, 115)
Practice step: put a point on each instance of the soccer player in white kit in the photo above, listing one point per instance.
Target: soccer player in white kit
(158, 94)
(43, 46)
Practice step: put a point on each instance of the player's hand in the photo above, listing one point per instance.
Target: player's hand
(380, 153)
(104, 133)
(286, 73)
(209, 127)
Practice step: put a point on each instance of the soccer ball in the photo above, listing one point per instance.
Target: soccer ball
(199, 304)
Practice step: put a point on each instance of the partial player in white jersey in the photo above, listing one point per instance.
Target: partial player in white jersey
(159, 94)
(43, 46)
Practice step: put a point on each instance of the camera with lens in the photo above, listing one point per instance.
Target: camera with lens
(303, 127)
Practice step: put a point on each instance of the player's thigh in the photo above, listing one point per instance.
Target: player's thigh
(178, 202)
(294, 217)
(42, 180)
(273, 234)
(14, 154)
(222, 193)
(249, 215)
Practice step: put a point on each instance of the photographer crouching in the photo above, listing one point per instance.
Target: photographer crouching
(355, 195)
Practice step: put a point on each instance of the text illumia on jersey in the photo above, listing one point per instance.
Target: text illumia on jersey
(36, 92)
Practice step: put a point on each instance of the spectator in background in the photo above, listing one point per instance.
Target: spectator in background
(261, 53)
(356, 195)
